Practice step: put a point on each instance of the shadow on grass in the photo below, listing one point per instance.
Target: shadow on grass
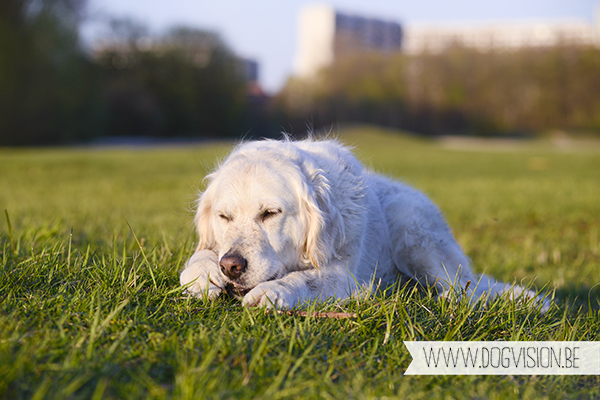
(579, 295)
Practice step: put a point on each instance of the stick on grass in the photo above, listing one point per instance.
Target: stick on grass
(317, 314)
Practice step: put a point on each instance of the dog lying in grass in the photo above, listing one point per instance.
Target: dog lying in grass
(282, 222)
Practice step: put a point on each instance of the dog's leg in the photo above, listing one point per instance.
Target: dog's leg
(202, 276)
(298, 286)
(445, 268)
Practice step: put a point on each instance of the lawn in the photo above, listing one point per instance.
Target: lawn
(93, 239)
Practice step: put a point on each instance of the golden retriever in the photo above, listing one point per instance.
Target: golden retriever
(282, 222)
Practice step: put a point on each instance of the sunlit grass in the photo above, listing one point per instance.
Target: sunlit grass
(90, 306)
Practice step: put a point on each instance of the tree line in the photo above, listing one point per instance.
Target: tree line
(188, 83)
(184, 83)
(458, 91)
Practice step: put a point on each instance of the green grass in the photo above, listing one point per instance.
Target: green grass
(90, 305)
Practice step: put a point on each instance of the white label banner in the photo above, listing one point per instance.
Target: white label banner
(504, 358)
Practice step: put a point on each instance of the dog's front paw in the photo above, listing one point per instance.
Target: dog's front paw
(200, 286)
(271, 294)
(201, 277)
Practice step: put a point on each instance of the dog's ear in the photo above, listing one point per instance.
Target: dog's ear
(204, 223)
(324, 223)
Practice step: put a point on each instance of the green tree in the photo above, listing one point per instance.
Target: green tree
(48, 90)
(186, 83)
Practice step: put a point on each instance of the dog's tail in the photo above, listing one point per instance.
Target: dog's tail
(488, 287)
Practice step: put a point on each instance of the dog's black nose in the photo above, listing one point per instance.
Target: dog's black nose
(233, 265)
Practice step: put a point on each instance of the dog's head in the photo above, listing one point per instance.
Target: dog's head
(268, 211)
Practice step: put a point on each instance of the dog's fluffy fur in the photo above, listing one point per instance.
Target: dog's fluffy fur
(285, 221)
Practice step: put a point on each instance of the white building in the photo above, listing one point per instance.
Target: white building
(499, 35)
(324, 34)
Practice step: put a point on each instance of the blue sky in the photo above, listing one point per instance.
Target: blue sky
(266, 29)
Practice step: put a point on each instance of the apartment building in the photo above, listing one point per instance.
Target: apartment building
(325, 34)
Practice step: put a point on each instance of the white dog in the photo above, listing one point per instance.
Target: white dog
(282, 222)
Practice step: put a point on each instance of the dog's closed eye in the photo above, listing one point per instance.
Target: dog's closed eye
(225, 217)
(267, 214)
